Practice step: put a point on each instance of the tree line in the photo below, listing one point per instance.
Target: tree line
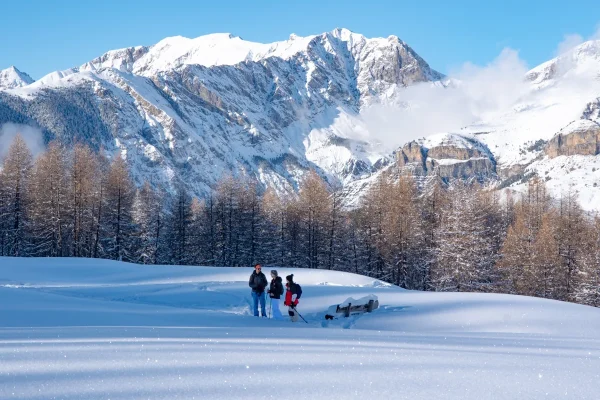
(426, 235)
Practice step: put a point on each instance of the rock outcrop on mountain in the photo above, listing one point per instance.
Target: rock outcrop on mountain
(449, 156)
(579, 138)
(412, 156)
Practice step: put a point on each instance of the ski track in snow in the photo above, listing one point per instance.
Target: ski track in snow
(96, 329)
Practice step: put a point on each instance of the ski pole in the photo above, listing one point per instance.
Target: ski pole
(270, 302)
(300, 315)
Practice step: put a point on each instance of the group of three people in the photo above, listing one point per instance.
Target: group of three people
(258, 283)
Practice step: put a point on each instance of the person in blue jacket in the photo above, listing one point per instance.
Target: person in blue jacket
(258, 283)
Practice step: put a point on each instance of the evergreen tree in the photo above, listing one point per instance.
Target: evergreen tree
(119, 225)
(314, 208)
(148, 215)
(180, 227)
(587, 290)
(542, 278)
(16, 173)
(466, 247)
(273, 212)
(50, 194)
(570, 231)
(86, 175)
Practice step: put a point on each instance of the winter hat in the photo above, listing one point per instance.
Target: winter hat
(274, 272)
(290, 278)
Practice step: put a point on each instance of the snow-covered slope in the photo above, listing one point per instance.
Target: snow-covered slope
(90, 329)
(13, 78)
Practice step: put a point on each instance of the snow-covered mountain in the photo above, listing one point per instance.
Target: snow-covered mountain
(553, 130)
(198, 108)
(195, 109)
(11, 78)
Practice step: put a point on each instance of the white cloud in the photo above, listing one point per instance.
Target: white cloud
(473, 93)
(32, 136)
(569, 41)
(596, 34)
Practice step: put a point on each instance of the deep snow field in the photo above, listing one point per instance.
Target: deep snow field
(96, 329)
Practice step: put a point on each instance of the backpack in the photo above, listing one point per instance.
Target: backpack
(298, 291)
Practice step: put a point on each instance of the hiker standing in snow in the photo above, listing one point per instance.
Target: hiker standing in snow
(292, 294)
(275, 292)
(258, 283)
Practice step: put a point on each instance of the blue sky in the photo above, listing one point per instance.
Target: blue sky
(43, 36)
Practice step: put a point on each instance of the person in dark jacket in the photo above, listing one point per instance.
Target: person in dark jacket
(258, 283)
(291, 297)
(275, 292)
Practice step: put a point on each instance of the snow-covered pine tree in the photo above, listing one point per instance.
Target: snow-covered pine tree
(250, 225)
(402, 232)
(488, 213)
(516, 252)
(466, 247)
(274, 233)
(119, 225)
(434, 202)
(227, 218)
(50, 214)
(293, 221)
(86, 177)
(570, 237)
(335, 230)
(587, 290)
(197, 247)
(542, 277)
(372, 220)
(206, 230)
(100, 207)
(16, 173)
(180, 227)
(148, 215)
(314, 208)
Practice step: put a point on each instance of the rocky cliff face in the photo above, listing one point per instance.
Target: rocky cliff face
(412, 157)
(580, 138)
(449, 156)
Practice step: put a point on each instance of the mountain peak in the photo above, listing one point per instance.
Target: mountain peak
(343, 33)
(583, 59)
(11, 78)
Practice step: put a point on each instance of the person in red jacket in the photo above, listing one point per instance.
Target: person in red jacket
(292, 294)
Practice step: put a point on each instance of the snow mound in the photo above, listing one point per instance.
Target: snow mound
(361, 300)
